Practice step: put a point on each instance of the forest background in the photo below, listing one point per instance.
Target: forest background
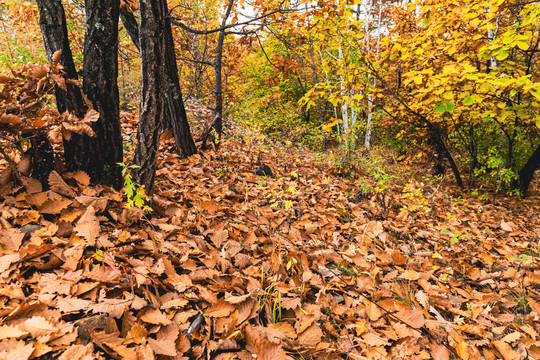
(453, 86)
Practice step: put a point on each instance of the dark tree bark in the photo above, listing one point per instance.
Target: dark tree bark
(217, 66)
(131, 25)
(42, 155)
(52, 21)
(100, 158)
(175, 113)
(441, 148)
(526, 173)
(152, 13)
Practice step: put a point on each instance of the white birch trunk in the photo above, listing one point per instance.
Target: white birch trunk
(369, 122)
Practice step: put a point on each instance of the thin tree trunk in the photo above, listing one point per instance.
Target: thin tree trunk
(526, 173)
(100, 159)
(371, 102)
(217, 65)
(131, 25)
(175, 113)
(152, 13)
(442, 148)
(315, 82)
(344, 111)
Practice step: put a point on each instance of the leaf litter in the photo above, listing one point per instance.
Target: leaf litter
(231, 265)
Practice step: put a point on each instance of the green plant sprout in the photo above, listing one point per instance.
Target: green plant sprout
(135, 193)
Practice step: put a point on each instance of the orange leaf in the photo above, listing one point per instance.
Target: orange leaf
(413, 318)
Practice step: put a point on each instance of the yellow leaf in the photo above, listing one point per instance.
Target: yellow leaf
(462, 350)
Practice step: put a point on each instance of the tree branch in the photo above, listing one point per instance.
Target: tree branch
(176, 21)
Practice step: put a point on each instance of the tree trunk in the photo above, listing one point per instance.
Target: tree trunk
(152, 13)
(526, 173)
(315, 82)
(100, 157)
(42, 155)
(131, 25)
(175, 113)
(52, 21)
(219, 87)
(442, 149)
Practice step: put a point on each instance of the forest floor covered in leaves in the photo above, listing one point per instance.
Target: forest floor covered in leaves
(301, 265)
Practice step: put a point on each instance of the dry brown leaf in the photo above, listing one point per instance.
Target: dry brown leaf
(312, 336)
(506, 226)
(77, 352)
(462, 350)
(210, 206)
(413, 318)
(8, 331)
(56, 57)
(82, 178)
(11, 349)
(372, 339)
(88, 226)
(114, 307)
(58, 185)
(54, 207)
(163, 347)
(38, 326)
(67, 305)
(156, 317)
(220, 309)
(422, 298)
(91, 116)
(506, 350)
(439, 352)
(373, 311)
(138, 333)
(166, 340)
(6, 261)
(410, 275)
(11, 239)
(236, 299)
(219, 237)
(60, 81)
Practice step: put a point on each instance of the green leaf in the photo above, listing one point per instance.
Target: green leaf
(503, 54)
(468, 100)
(441, 108)
(535, 93)
(450, 107)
